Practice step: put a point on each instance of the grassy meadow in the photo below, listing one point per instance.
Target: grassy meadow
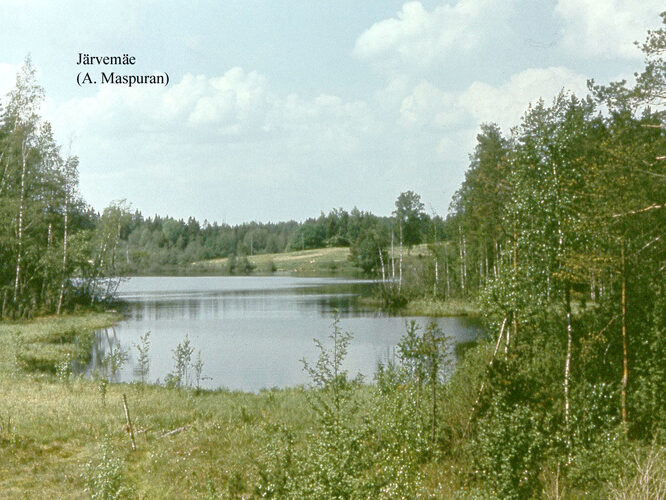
(316, 262)
(64, 436)
(59, 432)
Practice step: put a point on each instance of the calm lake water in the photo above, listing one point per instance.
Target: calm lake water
(253, 332)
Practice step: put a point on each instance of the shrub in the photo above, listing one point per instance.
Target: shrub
(105, 479)
(142, 368)
(184, 368)
(508, 450)
(182, 357)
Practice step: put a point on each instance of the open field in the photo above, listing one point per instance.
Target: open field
(320, 261)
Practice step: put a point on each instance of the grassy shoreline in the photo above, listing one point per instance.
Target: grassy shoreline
(425, 306)
(39, 345)
(57, 431)
(61, 434)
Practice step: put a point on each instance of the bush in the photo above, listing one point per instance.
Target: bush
(349, 453)
(182, 357)
(392, 297)
(508, 450)
(599, 443)
(105, 479)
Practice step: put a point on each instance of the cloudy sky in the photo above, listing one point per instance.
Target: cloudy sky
(280, 110)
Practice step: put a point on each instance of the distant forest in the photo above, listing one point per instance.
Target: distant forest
(156, 243)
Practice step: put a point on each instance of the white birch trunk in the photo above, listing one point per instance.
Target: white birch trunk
(381, 260)
(567, 371)
(434, 289)
(392, 259)
(64, 255)
(400, 265)
(19, 255)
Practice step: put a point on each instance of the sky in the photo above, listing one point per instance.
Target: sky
(281, 110)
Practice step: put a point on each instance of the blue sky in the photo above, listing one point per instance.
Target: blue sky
(281, 110)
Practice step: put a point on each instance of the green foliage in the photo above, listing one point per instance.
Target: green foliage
(330, 465)
(334, 387)
(277, 474)
(182, 358)
(163, 244)
(424, 354)
(411, 218)
(39, 207)
(600, 446)
(368, 253)
(244, 266)
(509, 451)
(399, 420)
(650, 382)
(197, 366)
(105, 479)
(365, 443)
(239, 265)
(393, 297)
(574, 204)
(425, 359)
(142, 368)
(186, 370)
(114, 361)
(231, 264)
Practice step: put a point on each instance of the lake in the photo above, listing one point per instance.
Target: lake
(253, 332)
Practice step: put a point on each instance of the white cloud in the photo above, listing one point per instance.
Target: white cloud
(227, 134)
(235, 98)
(607, 28)
(418, 38)
(429, 106)
(227, 105)
(237, 106)
(505, 105)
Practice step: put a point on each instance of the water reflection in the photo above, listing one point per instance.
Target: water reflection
(106, 343)
(252, 332)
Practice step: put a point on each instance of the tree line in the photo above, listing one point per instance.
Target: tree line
(55, 251)
(160, 244)
(558, 232)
